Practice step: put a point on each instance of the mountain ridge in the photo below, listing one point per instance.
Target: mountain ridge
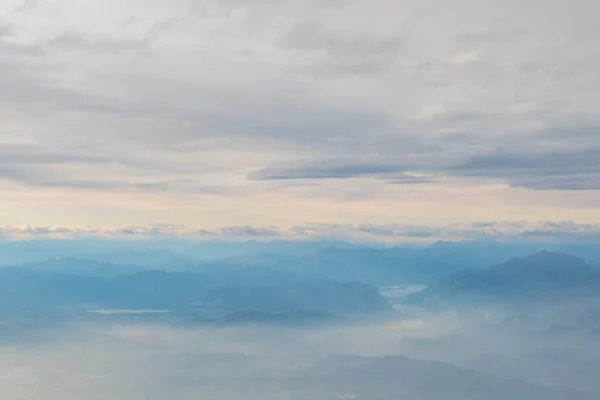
(543, 275)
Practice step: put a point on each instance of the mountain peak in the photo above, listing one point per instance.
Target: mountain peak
(544, 274)
(547, 262)
(545, 254)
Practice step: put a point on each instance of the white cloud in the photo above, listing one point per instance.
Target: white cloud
(366, 232)
(429, 113)
(466, 58)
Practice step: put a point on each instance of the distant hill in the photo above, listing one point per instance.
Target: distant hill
(543, 276)
(149, 259)
(311, 296)
(256, 290)
(288, 318)
(398, 265)
(374, 265)
(83, 267)
(399, 377)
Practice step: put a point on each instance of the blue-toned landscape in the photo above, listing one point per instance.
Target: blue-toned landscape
(315, 323)
(299, 200)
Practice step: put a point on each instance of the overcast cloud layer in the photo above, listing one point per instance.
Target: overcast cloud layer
(269, 112)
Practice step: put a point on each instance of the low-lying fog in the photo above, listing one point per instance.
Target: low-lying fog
(132, 361)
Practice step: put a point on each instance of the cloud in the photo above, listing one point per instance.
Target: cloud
(564, 168)
(79, 41)
(326, 169)
(564, 182)
(466, 58)
(32, 154)
(312, 36)
(522, 231)
(495, 35)
(327, 49)
(158, 99)
(37, 166)
(5, 30)
(29, 4)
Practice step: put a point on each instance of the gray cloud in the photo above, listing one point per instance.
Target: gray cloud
(16, 154)
(532, 167)
(334, 54)
(158, 99)
(495, 35)
(5, 30)
(549, 162)
(563, 182)
(406, 179)
(312, 36)
(29, 4)
(53, 167)
(79, 41)
(332, 68)
(326, 169)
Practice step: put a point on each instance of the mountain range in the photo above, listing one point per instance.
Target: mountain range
(375, 265)
(252, 290)
(399, 377)
(544, 276)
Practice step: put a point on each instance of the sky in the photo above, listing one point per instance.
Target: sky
(282, 113)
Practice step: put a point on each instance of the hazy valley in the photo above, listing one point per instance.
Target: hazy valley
(311, 323)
